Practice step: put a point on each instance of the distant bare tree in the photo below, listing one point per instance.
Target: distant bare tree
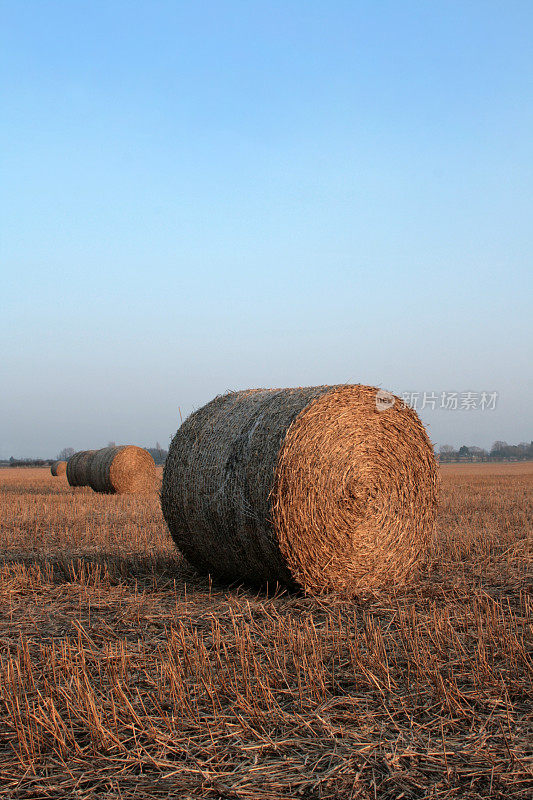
(498, 447)
(65, 453)
(445, 449)
(158, 454)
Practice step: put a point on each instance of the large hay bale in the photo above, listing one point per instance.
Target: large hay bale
(329, 488)
(78, 467)
(122, 470)
(58, 468)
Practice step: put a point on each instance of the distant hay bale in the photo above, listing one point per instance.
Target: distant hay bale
(58, 468)
(122, 470)
(78, 467)
(331, 488)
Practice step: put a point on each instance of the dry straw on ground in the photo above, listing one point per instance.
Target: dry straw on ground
(124, 676)
(122, 470)
(58, 468)
(78, 467)
(310, 486)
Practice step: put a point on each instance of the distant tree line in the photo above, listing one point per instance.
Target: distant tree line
(28, 462)
(158, 454)
(500, 451)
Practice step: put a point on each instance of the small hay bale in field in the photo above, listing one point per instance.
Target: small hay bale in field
(329, 488)
(78, 467)
(122, 470)
(58, 468)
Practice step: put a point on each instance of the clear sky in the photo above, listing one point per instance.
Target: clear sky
(203, 196)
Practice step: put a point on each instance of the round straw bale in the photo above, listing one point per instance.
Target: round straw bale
(122, 470)
(58, 468)
(78, 468)
(329, 488)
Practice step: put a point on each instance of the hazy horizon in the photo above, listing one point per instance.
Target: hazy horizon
(430, 416)
(205, 197)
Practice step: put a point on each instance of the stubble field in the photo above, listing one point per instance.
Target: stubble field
(125, 675)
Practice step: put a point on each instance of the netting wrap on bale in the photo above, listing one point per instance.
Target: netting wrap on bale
(58, 468)
(328, 488)
(78, 467)
(122, 470)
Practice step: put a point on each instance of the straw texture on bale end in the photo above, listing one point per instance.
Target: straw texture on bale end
(328, 488)
(122, 470)
(58, 468)
(78, 467)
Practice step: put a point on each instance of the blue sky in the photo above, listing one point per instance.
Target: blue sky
(206, 196)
